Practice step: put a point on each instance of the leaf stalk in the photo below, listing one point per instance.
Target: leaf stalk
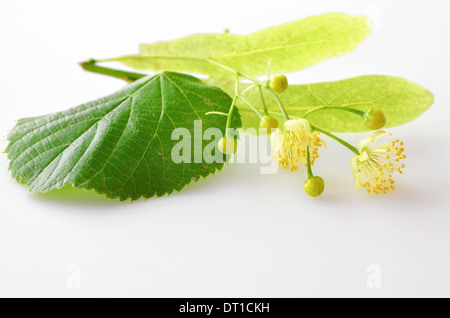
(91, 66)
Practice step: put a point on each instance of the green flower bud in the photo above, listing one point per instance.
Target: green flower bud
(374, 119)
(279, 84)
(227, 145)
(314, 186)
(269, 123)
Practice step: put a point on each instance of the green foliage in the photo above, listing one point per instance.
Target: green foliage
(120, 145)
(399, 99)
(290, 47)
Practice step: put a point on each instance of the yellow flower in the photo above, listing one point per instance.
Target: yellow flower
(291, 142)
(373, 167)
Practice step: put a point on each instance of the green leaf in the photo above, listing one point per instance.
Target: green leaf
(120, 145)
(290, 47)
(401, 101)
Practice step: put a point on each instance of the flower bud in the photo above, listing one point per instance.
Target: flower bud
(279, 84)
(227, 145)
(374, 119)
(269, 123)
(314, 186)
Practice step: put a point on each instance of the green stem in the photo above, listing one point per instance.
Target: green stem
(127, 76)
(263, 101)
(257, 112)
(233, 104)
(351, 110)
(256, 81)
(308, 163)
(248, 88)
(229, 69)
(343, 142)
(280, 104)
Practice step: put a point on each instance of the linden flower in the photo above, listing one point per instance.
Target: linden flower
(291, 142)
(373, 168)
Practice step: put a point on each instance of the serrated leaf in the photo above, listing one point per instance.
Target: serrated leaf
(120, 145)
(401, 101)
(291, 47)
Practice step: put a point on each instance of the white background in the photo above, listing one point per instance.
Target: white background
(240, 233)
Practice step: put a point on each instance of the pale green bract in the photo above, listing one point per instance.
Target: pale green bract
(120, 145)
(290, 47)
(401, 101)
